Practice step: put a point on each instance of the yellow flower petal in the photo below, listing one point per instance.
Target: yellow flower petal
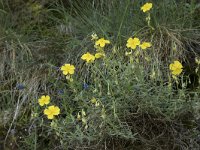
(56, 110)
(178, 64)
(47, 111)
(50, 116)
(146, 7)
(171, 67)
(41, 102)
(177, 71)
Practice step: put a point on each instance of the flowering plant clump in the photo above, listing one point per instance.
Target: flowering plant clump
(133, 43)
(176, 68)
(52, 111)
(102, 42)
(111, 91)
(99, 46)
(89, 58)
(44, 100)
(146, 7)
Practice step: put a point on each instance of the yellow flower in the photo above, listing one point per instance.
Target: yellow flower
(102, 42)
(52, 111)
(44, 100)
(145, 45)
(99, 55)
(88, 57)
(146, 7)
(176, 68)
(133, 43)
(68, 69)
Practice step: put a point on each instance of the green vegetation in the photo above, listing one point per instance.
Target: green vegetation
(129, 97)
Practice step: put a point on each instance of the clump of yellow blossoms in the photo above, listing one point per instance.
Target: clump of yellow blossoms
(68, 69)
(99, 45)
(146, 7)
(88, 57)
(102, 42)
(176, 68)
(52, 111)
(133, 43)
(44, 100)
(145, 45)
